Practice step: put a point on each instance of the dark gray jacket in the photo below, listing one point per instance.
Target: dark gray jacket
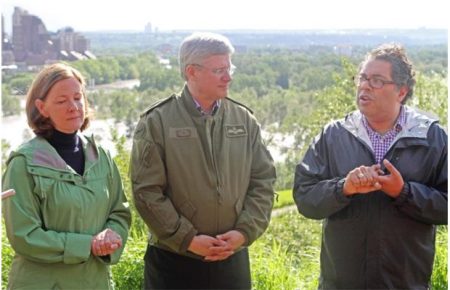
(372, 240)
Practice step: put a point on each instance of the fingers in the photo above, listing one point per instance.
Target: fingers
(362, 179)
(391, 168)
(364, 175)
(218, 257)
(105, 243)
(216, 248)
(233, 238)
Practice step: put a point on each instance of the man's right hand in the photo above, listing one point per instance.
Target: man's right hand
(211, 248)
(362, 179)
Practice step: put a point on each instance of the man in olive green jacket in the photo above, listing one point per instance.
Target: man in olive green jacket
(202, 178)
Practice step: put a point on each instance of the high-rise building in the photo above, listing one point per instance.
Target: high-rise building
(31, 41)
(7, 52)
(71, 44)
(32, 44)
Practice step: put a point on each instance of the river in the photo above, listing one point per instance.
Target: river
(15, 130)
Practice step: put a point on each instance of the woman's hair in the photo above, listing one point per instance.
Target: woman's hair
(199, 46)
(402, 71)
(40, 88)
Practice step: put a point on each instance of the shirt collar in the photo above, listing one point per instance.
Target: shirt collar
(216, 106)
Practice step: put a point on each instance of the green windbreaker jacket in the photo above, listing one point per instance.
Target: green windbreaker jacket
(194, 174)
(55, 213)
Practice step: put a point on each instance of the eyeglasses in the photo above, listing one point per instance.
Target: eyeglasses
(374, 82)
(219, 71)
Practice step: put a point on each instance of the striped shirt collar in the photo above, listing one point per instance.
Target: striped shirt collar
(216, 106)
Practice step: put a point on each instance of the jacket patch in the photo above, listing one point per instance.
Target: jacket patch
(182, 133)
(236, 131)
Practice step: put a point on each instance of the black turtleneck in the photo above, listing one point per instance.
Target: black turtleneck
(70, 148)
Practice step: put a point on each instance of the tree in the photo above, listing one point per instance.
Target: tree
(10, 103)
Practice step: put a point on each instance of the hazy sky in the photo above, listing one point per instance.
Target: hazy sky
(94, 15)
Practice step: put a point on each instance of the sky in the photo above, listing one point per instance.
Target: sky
(168, 15)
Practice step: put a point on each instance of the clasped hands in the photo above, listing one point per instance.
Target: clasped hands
(217, 248)
(105, 243)
(365, 179)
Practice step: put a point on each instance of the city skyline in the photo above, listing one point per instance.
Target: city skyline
(166, 15)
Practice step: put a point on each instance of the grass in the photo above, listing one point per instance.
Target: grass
(283, 198)
(285, 257)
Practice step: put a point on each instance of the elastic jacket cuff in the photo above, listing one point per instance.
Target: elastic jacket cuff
(340, 196)
(77, 248)
(403, 194)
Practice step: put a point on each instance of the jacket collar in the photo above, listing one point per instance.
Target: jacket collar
(191, 107)
(39, 152)
(417, 125)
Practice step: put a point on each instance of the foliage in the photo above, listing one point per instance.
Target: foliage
(18, 84)
(440, 267)
(283, 198)
(10, 103)
(285, 257)
(122, 159)
(335, 101)
(431, 95)
(7, 256)
(129, 272)
(5, 148)
(292, 93)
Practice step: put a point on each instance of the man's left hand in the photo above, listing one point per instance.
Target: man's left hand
(391, 184)
(234, 240)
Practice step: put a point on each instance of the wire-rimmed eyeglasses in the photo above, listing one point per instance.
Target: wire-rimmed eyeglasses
(219, 71)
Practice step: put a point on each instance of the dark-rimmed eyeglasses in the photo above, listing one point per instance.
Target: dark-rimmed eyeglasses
(374, 82)
(219, 71)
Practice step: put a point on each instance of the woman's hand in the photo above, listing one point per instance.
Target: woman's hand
(105, 243)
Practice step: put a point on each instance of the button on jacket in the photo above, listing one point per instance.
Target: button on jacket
(55, 213)
(194, 174)
(372, 240)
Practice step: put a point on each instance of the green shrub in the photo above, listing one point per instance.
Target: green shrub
(283, 198)
(439, 277)
(129, 272)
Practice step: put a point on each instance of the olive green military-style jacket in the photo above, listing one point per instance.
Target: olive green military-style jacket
(200, 174)
(55, 213)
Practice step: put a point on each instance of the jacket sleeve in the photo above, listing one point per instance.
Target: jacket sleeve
(119, 219)
(428, 203)
(148, 176)
(24, 226)
(317, 194)
(255, 216)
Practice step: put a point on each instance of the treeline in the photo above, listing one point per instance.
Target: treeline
(292, 93)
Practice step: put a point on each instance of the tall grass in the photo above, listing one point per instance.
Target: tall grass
(440, 268)
(286, 257)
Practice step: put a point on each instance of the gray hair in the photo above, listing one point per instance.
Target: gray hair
(402, 72)
(200, 45)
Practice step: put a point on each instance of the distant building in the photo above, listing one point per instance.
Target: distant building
(70, 44)
(7, 51)
(33, 45)
(31, 41)
(148, 28)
